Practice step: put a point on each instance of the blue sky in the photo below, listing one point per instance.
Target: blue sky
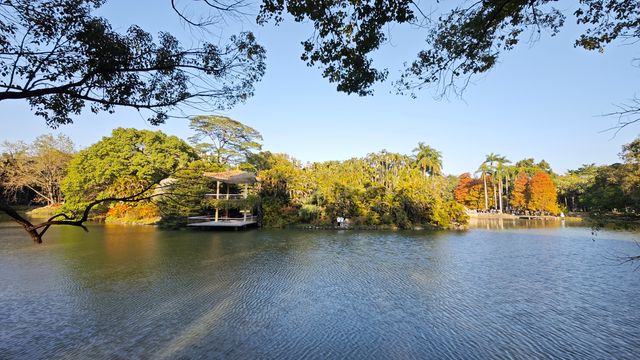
(543, 100)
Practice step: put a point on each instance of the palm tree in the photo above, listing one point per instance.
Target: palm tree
(510, 173)
(502, 172)
(484, 169)
(497, 167)
(491, 159)
(428, 159)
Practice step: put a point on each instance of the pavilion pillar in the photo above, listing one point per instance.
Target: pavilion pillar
(217, 198)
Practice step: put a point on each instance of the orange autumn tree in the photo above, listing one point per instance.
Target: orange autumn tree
(470, 192)
(520, 192)
(542, 193)
(475, 199)
(461, 192)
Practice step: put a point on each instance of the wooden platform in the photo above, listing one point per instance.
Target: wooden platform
(535, 217)
(209, 222)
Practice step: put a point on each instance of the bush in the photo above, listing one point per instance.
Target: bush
(275, 213)
(310, 214)
(142, 213)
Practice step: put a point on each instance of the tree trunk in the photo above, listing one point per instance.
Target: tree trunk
(486, 197)
(500, 193)
(506, 185)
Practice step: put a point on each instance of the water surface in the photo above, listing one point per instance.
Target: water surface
(137, 292)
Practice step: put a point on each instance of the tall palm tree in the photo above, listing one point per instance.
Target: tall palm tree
(428, 159)
(501, 172)
(484, 169)
(510, 173)
(491, 159)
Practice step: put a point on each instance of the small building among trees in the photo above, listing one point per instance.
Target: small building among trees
(232, 195)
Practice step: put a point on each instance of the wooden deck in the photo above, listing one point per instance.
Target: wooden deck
(209, 222)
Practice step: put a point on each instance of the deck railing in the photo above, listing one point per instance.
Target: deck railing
(224, 196)
(252, 218)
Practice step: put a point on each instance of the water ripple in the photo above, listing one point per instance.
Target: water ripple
(124, 292)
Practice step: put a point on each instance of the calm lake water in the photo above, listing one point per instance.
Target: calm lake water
(498, 291)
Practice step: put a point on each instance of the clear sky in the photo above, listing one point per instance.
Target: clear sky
(542, 101)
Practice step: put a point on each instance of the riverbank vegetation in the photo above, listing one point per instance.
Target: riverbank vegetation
(164, 174)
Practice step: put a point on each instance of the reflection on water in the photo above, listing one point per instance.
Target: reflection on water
(137, 292)
(549, 223)
(501, 224)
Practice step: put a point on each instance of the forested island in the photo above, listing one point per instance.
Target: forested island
(148, 177)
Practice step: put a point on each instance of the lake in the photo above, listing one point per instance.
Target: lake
(501, 290)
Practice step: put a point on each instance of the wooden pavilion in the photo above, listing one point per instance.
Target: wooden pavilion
(225, 180)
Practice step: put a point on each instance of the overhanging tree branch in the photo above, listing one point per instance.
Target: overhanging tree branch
(36, 236)
(61, 58)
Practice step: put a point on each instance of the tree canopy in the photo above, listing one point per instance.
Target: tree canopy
(428, 159)
(38, 167)
(127, 162)
(60, 58)
(461, 39)
(224, 140)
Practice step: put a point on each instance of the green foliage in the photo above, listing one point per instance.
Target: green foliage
(381, 189)
(226, 141)
(461, 39)
(605, 189)
(60, 57)
(428, 159)
(530, 167)
(347, 32)
(573, 187)
(249, 203)
(615, 188)
(631, 152)
(277, 213)
(310, 214)
(449, 214)
(183, 193)
(122, 164)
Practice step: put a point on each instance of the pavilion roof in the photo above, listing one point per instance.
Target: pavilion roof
(233, 177)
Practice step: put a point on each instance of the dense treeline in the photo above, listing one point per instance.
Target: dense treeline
(533, 187)
(608, 188)
(519, 188)
(381, 189)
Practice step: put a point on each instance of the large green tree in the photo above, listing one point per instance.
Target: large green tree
(573, 186)
(224, 140)
(126, 163)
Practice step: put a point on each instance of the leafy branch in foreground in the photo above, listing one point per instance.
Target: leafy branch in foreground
(462, 39)
(60, 58)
